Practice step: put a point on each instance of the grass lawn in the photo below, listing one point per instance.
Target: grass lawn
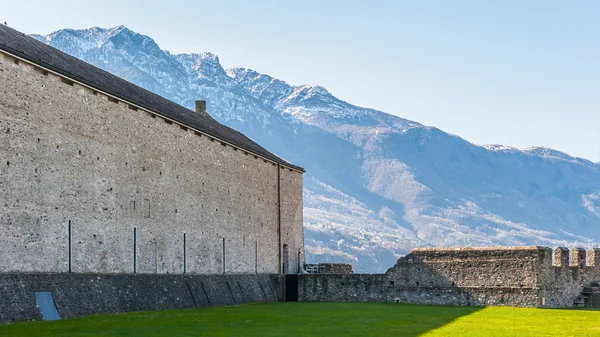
(324, 319)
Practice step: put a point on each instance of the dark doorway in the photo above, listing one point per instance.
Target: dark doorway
(291, 288)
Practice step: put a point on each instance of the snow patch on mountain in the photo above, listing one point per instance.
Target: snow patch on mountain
(592, 202)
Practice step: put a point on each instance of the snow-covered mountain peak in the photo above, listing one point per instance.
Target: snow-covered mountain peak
(124, 38)
(118, 29)
(240, 74)
(538, 151)
(204, 64)
(204, 68)
(548, 153)
(75, 41)
(499, 148)
(303, 101)
(304, 92)
(268, 90)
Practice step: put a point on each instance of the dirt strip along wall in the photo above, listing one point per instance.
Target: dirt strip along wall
(77, 295)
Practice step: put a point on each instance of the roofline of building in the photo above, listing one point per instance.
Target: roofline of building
(22, 58)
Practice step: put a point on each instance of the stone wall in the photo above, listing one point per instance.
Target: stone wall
(513, 276)
(561, 283)
(292, 237)
(77, 295)
(472, 267)
(72, 154)
(379, 288)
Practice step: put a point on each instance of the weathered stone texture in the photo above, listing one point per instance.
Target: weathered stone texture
(514, 276)
(379, 288)
(471, 267)
(594, 257)
(77, 295)
(561, 257)
(292, 237)
(70, 153)
(559, 286)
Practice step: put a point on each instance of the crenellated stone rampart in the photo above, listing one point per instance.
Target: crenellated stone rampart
(512, 276)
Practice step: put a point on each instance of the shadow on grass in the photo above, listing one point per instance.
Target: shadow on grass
(260, 319)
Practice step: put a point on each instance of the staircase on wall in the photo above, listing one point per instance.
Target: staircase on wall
(589, 296)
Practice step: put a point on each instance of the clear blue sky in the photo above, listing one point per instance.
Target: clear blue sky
(518, 73)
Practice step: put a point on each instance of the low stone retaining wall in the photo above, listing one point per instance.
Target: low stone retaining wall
(379, 288)
(77, 295)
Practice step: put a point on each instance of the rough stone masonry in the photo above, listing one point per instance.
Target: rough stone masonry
(512, 276)
(95, 177)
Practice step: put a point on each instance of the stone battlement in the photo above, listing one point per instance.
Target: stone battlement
(492, 248)
(560, 256)
(533, 276)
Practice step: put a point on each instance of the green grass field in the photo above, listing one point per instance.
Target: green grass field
(325, 319)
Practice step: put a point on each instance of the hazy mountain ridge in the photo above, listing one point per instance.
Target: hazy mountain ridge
(377, 185)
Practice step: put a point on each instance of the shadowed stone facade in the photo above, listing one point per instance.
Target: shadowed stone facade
(77, 295)
(73, 154)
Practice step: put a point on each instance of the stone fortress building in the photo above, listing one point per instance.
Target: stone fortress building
(101, 176)
(115, 199)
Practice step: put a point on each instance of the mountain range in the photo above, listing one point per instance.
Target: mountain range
(376, 185)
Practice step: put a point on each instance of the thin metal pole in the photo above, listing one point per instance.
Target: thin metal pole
(184, 254)
(70, 252)
(134, 250)
(279, 216)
